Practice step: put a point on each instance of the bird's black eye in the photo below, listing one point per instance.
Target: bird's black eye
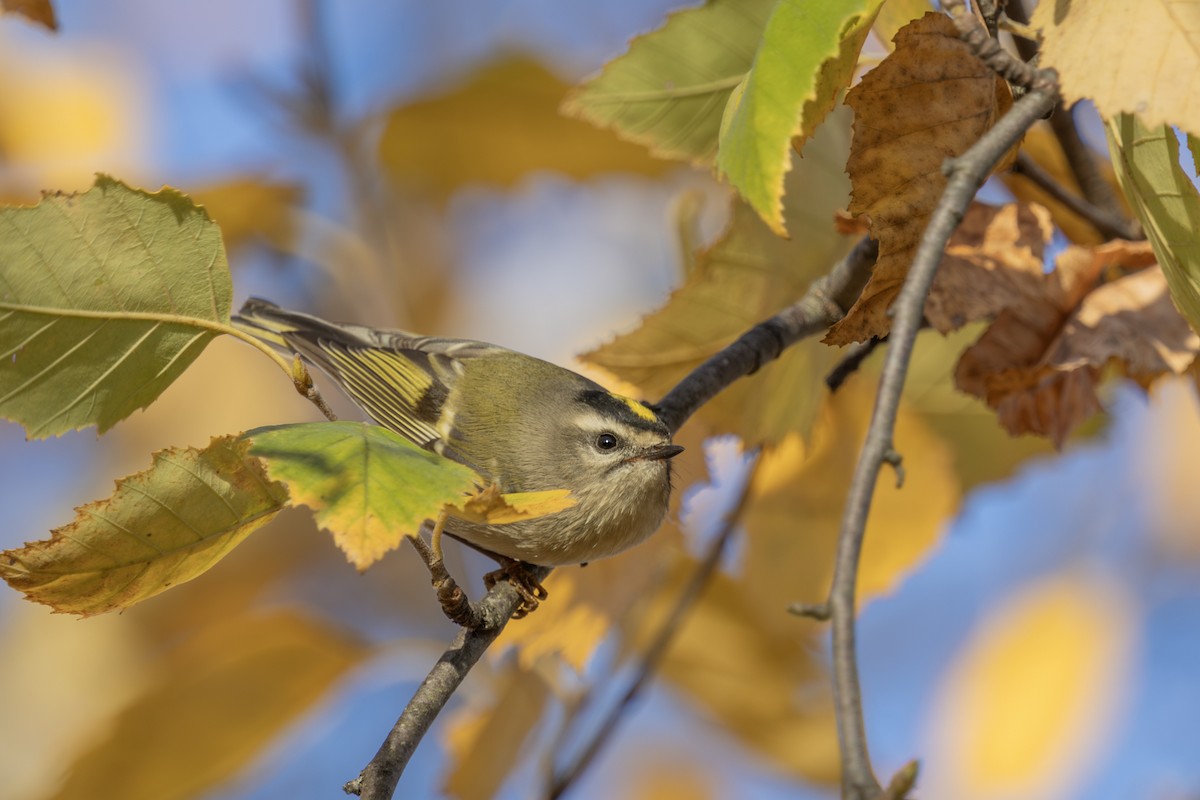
(606, 441)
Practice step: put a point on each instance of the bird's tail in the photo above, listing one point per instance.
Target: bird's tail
(264, 320)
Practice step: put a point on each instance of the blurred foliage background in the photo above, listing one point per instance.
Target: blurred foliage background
(1030, 621)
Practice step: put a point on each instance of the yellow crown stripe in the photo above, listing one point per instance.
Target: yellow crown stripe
(637, 408)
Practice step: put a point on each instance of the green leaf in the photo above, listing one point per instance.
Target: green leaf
(750, 274)
(1166, 202)
(161, 527)
(367, 486)
(498, 126)
(669, 91)
(105, 298)
(806, 59)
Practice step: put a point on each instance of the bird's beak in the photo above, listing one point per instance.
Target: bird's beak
(661, 453)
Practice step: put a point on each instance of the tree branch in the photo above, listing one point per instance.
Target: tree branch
(378, 779)
(1108, 224)
(563, 779)
(825, 302)
(966, 174)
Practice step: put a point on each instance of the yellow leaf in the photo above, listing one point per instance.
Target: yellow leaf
(756, 672)
(164, 526)
(1033, 696)
(247, 208)
(498, 125)
(489, 507)
(797, 502)
(218, 701)
(1141, 58)
(669, 91)
(483, 744)
(929, 100)
(67, 111)
(60, 685)
(675, 781)
(895, 14)
(366, 485)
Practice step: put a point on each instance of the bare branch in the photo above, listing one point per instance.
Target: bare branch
(378, 779)
(1110, 225)
(966, 175)
(1082, 162)
(565, 778)
(990, 52)
(856, 354)
(825, 302)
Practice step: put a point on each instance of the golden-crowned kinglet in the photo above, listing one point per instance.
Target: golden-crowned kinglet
(521, 422)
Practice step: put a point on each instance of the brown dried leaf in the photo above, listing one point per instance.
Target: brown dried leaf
(1002, 249)
(1054, 333)
(39, 11)
(929, 100)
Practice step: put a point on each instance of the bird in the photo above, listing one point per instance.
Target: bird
(522, 423)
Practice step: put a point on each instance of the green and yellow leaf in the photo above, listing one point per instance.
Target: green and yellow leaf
(1166, 202)
(669, 90)
(161, 527)
(105, 298)
(806, 59)
(367, 486)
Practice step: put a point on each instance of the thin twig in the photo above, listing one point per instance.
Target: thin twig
(856, 354)
(378, 779)
(966, 174)
(825, 302)
(565, 778)
(990, 52)
(1112, 226)
(1082, 161)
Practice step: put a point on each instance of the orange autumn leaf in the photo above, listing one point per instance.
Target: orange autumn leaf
(929, 100)
(1054, 333)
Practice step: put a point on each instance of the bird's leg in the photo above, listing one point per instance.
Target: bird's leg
(454, 601)
(435, 538)
(523, 579)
